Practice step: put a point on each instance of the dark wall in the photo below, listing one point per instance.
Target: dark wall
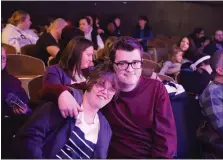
(169, 18)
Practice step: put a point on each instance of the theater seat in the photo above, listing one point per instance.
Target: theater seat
(9, 49)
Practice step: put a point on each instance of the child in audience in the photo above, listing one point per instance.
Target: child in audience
(172, 66)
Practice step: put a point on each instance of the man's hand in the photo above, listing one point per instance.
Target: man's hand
(68, 105)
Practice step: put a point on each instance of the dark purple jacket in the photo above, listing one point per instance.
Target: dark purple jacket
(47, 132)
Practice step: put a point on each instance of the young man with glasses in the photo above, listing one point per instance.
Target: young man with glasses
(141, 117)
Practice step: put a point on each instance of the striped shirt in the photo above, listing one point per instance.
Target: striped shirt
(82, 141)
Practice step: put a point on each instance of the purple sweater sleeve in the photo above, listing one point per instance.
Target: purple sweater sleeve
(165, 137)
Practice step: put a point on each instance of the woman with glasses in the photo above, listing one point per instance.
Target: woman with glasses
(49, 135)
(17, 32)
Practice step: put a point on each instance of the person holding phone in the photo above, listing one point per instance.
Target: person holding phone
(14, 108)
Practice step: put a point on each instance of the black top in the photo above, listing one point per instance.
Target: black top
(45, 40)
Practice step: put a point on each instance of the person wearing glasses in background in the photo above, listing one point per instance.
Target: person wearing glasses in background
(141, 117)
(17, 32)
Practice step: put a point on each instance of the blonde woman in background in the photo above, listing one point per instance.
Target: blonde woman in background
(17, 32)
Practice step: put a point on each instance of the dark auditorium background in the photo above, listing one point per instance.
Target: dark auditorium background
(168, 18)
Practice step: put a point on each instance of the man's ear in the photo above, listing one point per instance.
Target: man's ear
(219, 71)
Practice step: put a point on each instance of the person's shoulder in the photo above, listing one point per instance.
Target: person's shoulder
(54, 68)
(150, 83)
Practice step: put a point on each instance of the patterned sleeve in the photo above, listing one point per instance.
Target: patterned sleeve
(212, 107)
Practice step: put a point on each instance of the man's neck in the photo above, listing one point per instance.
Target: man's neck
(127, 87)
(54, 36)
(89, 111)
(89, 30)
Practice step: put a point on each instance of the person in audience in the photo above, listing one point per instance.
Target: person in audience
(17, 32)
(48, 135)
(90, 33)
(13, 106)
(211, 131)
(68, 33)
(199, 72)
(196, 36)
(47, 46)
(103, 54)
(113, 28)
(141, 117)
(216, 45)
(76, 56)
(143, 32)
(204, 42)
(172, 67)
(188, 48)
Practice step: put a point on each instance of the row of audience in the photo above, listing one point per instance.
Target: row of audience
(118, 73)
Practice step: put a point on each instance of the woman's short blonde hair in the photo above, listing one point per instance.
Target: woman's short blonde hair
(17, 16)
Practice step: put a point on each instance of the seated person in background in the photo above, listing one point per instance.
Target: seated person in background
(215, 45)
(143, 32)
(68, 33)
(196, 36)
(90, 33)
(172, 67)
(113, 27)
(14, 106)
(47, 45)
(77, 55)
(211, 131)
(17, 32)
(48, 135)
(196, 75)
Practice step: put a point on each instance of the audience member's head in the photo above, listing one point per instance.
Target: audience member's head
(218, 37)
(217, 64)
(4, 58)
(184, 44)
(68, 33)
(49, 22)
(85, 24)
(101, 77)
(198, 33)
(176, 54)
(126, 56)
(117, 21)
(77, 56)
(91, 20)
(56, 27)
(20, 19)
(143, 22)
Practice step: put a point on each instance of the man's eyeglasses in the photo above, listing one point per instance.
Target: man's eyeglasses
(125, 65)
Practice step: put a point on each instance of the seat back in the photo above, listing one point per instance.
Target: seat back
(146, 56)
(23, 65)
(34, 87)
(9, 49)
(151, 65)
(28, 50)
(165, 77)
